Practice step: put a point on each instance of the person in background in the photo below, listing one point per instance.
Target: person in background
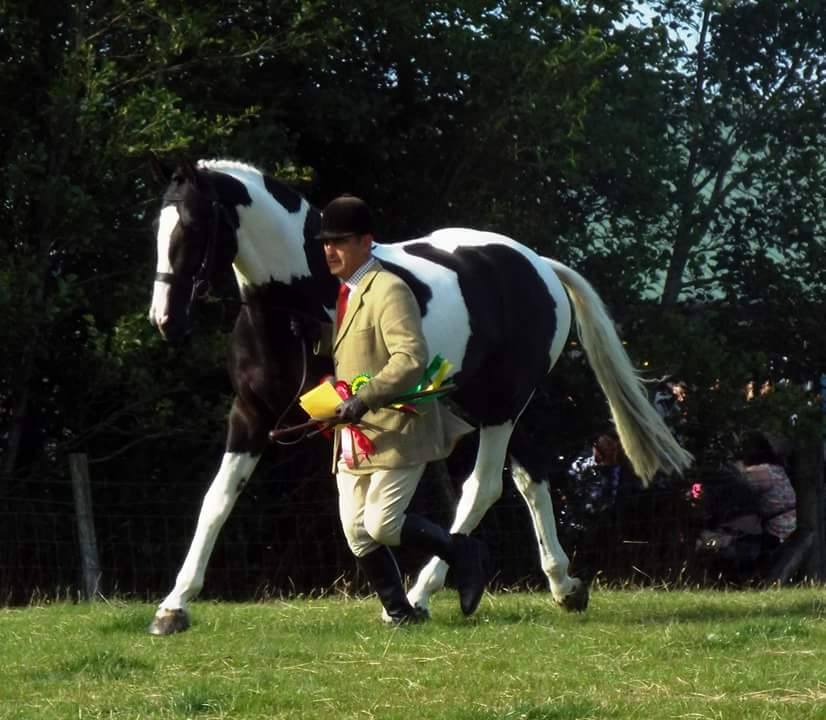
(602, 498)
(670, 402)
(597, 477)
(765, 476)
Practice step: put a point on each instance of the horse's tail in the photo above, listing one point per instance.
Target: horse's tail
(646, 439)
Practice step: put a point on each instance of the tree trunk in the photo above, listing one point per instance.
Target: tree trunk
(676, 267)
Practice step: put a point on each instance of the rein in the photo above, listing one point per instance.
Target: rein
(308, 428)
(293, 402)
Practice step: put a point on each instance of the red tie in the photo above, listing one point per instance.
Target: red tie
(341, 304)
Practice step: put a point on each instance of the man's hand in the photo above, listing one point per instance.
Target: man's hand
(351, 410)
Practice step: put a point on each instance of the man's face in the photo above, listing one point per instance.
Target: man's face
(347, 254)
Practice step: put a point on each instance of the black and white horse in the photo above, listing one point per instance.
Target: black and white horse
(496, 310)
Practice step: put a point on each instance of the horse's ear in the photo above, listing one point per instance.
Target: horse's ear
(160, 172)
(188, 170)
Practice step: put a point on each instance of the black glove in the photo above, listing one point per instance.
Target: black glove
(351, 410)
(305, 327)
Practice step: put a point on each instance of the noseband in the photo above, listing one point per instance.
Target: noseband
(199, 282)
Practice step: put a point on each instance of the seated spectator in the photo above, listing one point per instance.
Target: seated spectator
(729, 541)
(765, 475)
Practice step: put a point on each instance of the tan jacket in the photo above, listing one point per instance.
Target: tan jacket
(381, 335)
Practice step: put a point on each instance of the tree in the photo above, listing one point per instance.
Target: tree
(96, 85)
(746, 112)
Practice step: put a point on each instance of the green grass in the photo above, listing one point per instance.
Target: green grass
(635, 654)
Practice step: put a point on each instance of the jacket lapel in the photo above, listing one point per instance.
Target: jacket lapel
(354, 303)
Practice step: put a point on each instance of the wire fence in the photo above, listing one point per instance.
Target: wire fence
(284, 538)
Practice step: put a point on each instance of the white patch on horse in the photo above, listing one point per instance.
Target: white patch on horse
(553, 559)
(450, 239)
(445, 329)
(446, 325)
(257, 262)
(167, 223)
(235, 470)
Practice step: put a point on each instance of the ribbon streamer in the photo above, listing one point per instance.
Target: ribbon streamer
(355, 444)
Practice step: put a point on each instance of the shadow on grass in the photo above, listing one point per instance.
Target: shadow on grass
(720, 610)
(563, 710)
(647, 611)
(521, 616)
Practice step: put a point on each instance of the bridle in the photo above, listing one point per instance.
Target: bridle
(199, 282)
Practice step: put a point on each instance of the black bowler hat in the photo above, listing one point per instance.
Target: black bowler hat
(346, 215)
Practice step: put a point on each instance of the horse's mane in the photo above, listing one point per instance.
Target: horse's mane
(280, 191)
(223, 164)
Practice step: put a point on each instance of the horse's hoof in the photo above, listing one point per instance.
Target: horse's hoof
(577, 599)
(420, 614)
(169, 622)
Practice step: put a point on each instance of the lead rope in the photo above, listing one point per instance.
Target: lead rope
(295, 399)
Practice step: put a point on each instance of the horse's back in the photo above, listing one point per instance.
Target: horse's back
(489, 304)
(484, 278)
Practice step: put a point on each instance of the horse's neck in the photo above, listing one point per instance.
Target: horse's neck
(277, 275)
(268, 252)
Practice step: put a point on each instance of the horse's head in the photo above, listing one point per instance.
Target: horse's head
(196, 237)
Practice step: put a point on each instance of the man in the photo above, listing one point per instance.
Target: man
(378, 337)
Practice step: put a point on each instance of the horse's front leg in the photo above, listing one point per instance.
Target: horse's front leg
(482, 488)
(236, 469)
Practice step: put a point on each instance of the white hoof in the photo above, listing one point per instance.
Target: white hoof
(169, 622)
(577, 599)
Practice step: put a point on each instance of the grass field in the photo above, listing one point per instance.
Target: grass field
(635, 654)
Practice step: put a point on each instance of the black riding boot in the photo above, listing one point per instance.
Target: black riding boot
(468, 557)
(386, 581)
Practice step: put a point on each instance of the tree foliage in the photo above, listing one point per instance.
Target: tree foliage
(745, 195)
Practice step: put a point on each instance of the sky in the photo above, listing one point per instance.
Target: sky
(646, 14)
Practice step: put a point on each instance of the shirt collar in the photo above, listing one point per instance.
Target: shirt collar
(357, 276)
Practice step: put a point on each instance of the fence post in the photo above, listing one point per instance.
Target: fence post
(82, 489)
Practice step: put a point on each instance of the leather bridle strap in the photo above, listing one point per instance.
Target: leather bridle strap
(201, 278)
(167, 278)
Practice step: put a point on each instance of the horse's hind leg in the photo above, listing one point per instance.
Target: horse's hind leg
(570, 593)
(481, 489)
(218, 502)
